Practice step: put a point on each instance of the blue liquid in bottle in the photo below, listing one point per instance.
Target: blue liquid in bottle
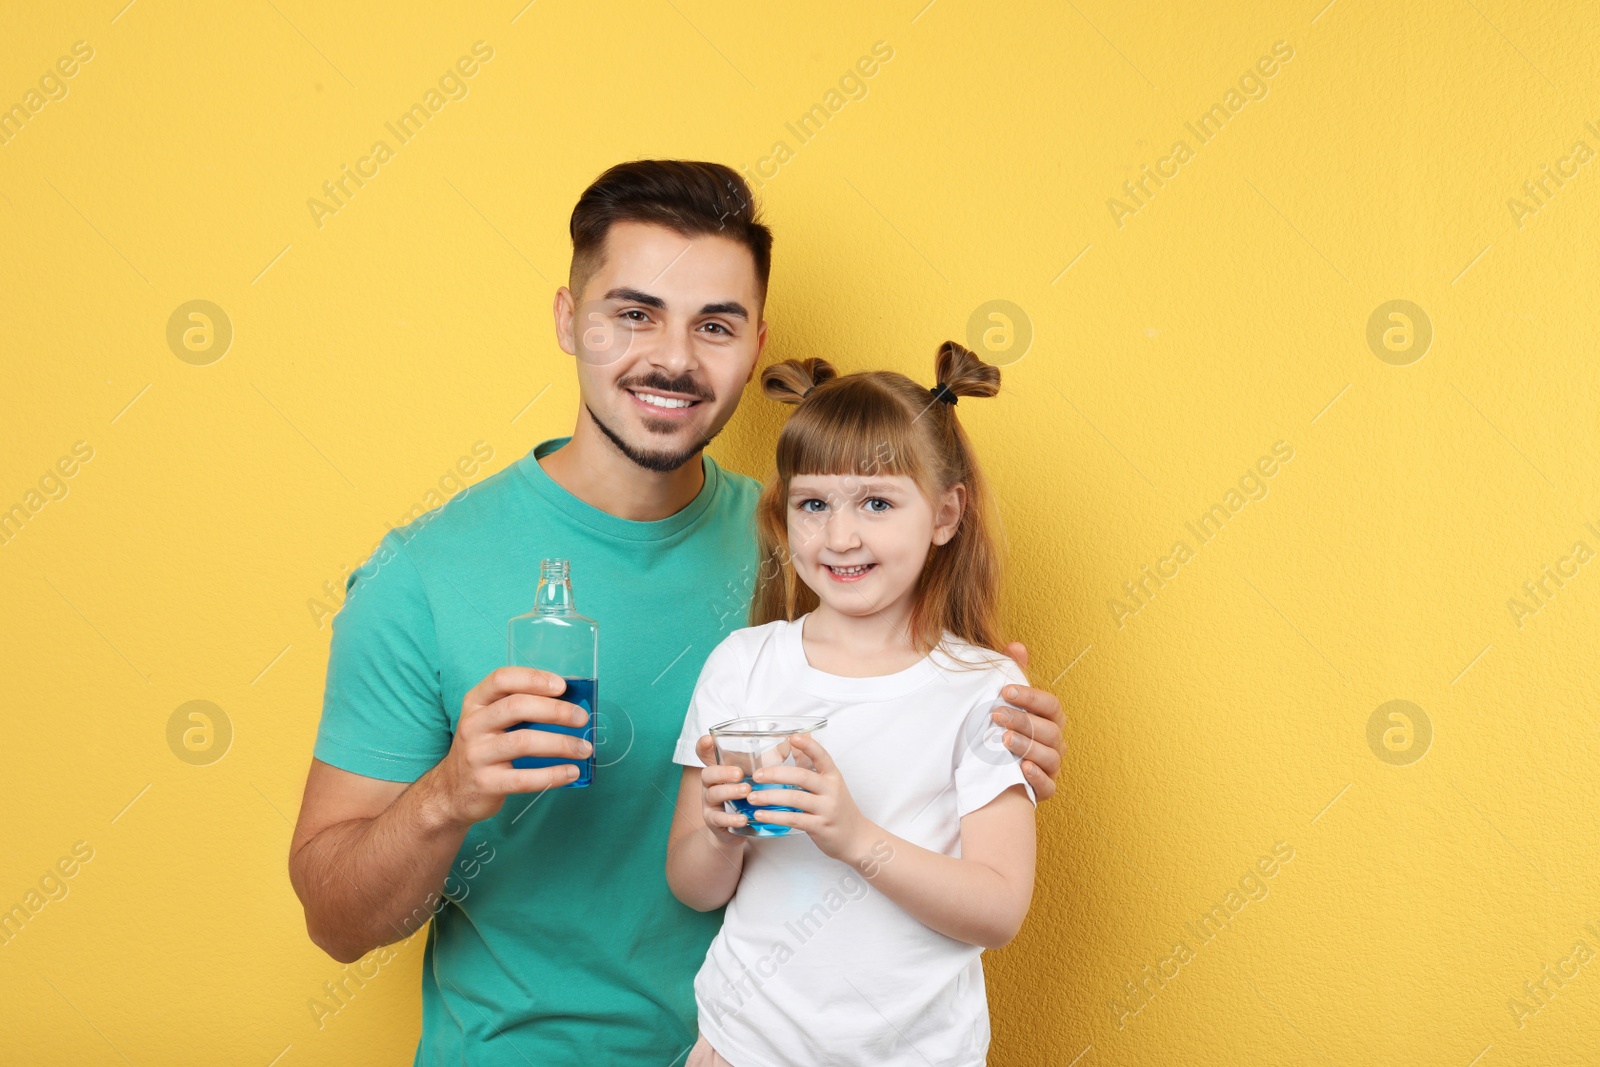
(553, 637)
(583, 692)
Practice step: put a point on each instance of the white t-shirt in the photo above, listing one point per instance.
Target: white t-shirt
(813, 966)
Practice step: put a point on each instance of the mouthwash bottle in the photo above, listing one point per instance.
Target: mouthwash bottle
(554, 637)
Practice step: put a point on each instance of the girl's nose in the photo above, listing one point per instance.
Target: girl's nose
(841, 530)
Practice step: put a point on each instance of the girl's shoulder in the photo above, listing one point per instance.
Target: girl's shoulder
(732, 661)
(976, 665)
(746, 643)
(756, 635)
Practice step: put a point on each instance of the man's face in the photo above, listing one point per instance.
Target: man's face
(666, 333)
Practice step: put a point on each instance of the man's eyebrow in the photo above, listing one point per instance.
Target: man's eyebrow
(634, 296)
(731, 307)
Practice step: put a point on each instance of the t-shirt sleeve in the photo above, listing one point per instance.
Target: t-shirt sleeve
(718, 694)
(985, 768)
(383, 715)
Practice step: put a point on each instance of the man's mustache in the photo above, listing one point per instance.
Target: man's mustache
(686, 386)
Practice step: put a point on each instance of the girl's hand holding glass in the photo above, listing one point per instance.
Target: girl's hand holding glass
(827, 811)
(719, 783)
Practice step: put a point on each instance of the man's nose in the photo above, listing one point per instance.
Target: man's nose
(675, 354)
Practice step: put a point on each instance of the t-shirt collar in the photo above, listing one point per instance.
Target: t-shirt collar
(855, 690)
(603, 522)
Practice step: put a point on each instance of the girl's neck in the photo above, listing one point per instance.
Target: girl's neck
(859, 646)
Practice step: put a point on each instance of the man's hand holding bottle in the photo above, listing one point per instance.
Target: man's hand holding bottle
(472, 782)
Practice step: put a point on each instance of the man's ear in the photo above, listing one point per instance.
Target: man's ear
(761, 345)
(948, 518)
(565, 312)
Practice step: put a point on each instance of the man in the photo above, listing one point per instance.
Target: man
(555, 938)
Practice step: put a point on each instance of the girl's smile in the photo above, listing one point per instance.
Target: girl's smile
(849, 574)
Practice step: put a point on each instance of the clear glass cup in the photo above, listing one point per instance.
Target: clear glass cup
(756, 742)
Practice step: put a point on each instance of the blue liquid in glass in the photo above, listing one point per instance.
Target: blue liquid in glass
(583, 692)
(757, 828)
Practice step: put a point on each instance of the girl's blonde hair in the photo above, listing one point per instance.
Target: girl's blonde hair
(882, 422)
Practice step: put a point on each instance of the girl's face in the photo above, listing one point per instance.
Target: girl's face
(860, 541)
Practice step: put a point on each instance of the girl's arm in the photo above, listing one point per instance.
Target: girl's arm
(980, 898)
(704, 861)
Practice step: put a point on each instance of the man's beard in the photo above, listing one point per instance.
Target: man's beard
(662, 462)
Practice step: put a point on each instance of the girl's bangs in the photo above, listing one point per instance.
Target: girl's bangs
(854, 442)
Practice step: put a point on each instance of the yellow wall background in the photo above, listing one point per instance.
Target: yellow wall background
(1436, 867)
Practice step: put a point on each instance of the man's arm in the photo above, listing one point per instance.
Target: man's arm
(1035, 733)
(370, 857)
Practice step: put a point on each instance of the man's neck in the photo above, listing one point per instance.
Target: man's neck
(592, 469)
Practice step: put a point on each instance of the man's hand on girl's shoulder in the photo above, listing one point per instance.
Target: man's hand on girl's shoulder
(1034, 728)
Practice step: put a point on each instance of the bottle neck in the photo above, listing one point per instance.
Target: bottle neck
(554, 597)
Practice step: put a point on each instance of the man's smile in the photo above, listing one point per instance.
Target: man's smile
(669, 405)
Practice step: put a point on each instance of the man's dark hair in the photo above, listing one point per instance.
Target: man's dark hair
(694, 199)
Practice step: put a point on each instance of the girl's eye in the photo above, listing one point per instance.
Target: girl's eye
(878, 500)
(805, 505)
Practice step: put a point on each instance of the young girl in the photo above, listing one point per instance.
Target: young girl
(858, 941)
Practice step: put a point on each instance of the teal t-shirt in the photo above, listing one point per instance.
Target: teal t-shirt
(559, 942)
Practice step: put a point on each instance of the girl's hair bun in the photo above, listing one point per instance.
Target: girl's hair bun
(788, 382)
(963, 373)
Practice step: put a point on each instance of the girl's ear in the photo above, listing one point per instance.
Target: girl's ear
(947, 518)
